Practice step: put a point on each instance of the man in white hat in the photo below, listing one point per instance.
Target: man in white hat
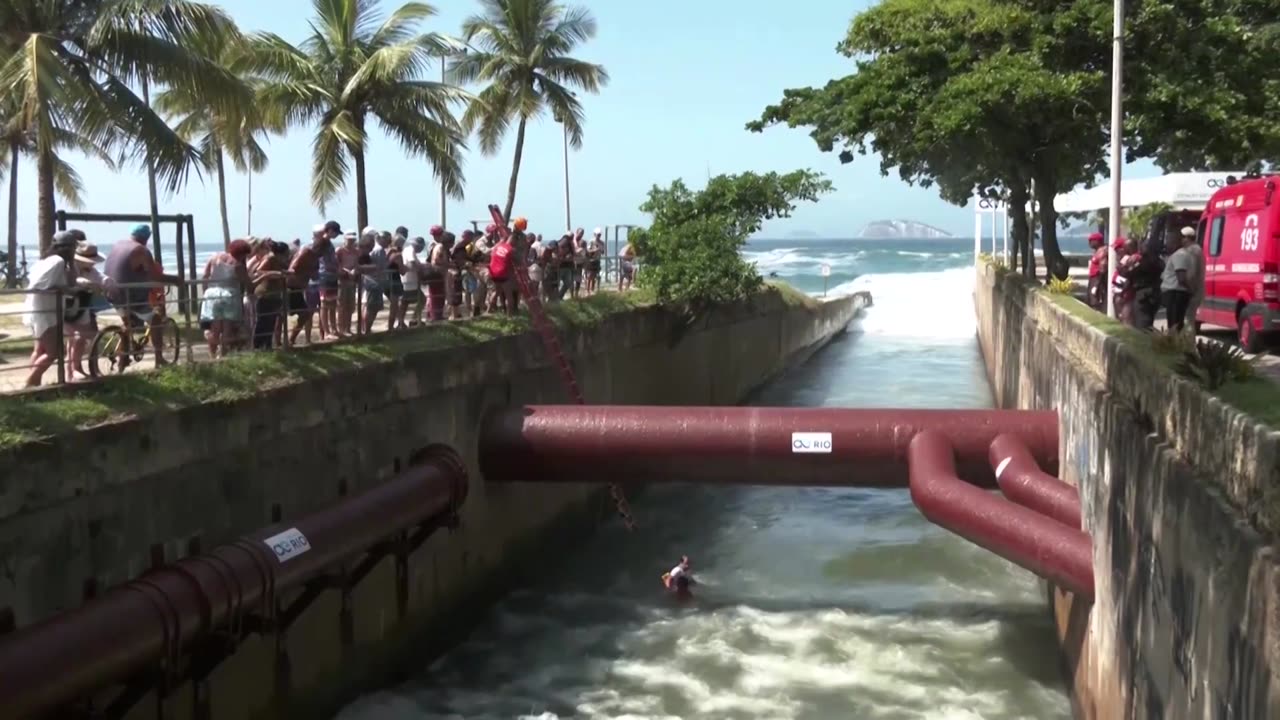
(1176, 282)
(1196, 276)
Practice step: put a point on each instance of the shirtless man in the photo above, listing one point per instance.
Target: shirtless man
(627, 268)
(131, 265)
(302, 270)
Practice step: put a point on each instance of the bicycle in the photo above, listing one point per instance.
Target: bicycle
(109, 343)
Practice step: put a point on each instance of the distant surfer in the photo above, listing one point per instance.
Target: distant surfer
(679, 579)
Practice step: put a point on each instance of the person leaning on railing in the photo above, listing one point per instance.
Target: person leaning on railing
(269, 293)
(50, 278)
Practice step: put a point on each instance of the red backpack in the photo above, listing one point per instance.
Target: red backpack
(500, 261)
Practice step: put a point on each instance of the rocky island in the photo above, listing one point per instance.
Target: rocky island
(892, 229)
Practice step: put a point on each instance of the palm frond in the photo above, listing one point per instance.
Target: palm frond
(574, 27)
(419, 134)
(66, 181)
(489, 116)
(567, 71)
(566, 108)
(400, 26)
(329, 166)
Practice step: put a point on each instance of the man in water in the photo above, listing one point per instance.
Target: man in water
(680, 579)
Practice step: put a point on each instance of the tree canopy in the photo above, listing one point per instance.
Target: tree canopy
(999, 96)
(358, 67)
(523, 56)
(692, 249)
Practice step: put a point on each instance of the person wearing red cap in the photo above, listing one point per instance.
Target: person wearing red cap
(1097, 271)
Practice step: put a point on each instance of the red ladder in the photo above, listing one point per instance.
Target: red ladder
(552, 344)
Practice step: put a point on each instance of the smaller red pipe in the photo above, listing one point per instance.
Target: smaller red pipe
(1023, 536)
(1022, 481)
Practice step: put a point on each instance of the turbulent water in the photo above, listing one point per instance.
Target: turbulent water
(815, 603)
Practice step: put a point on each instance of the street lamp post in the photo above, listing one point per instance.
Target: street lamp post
(443, 199)
(1117, 140)
(568, 221)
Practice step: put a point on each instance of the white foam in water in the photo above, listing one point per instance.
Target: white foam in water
(791, 262)
(933, 305)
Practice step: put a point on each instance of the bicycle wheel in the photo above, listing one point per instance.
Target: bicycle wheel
(107, 355)
(170, 340)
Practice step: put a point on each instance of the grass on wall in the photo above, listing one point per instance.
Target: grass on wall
(27, 417)
(1257, 397)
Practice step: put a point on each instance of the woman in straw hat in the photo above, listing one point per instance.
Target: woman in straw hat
(81, 315)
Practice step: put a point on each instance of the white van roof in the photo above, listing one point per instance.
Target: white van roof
(1184, 191)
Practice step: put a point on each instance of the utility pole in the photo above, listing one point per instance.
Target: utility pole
(1117, 140)
(444, 223)
(249, 229)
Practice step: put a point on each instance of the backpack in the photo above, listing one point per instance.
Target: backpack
(500, 261)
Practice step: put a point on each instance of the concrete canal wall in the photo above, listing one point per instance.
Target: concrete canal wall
(1179, 492)
(87, 508)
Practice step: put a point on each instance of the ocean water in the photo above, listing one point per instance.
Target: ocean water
(815, 603)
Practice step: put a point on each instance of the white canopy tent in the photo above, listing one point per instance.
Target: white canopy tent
(1184, 191)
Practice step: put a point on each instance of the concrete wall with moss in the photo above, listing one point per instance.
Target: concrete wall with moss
(1179, 494)
(86, 507)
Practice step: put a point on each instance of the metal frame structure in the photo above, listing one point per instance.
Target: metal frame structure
(181, 223)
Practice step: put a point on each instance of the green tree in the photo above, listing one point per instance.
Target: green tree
(523, 59)
(355, 68)
(1201, 91)
(17, 141)
(967, 95)
(692, 251)
(1138, 220)
(216, 133)
(74, 65)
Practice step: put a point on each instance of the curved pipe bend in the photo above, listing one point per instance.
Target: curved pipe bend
(1022, 481)
(1023, 536)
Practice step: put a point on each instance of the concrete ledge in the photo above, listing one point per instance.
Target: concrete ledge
(1174, 485)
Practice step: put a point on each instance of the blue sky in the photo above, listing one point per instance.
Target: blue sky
(686, 77)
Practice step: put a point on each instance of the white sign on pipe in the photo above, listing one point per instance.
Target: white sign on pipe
(826, 270)
(288, 545)
(811, 442)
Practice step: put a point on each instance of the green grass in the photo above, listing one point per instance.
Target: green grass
(791, 296)
(1257, 397)
(27, 417)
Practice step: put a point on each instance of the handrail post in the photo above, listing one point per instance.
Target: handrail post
(59, 310)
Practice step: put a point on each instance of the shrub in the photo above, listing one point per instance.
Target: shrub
(1062, 286)
(1213, 364)
(692, 250)
(1169, 342)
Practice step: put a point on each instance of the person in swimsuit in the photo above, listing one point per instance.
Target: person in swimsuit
(302, 273)
(326, 282)
(348, 261)
(679, 580)
(595, 251)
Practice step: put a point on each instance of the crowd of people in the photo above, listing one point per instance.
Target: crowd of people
(1168, 275)
(262, 294)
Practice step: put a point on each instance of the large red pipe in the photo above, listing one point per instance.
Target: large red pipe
(743, 445)
(1023, 536)
(1022, 481)
(136, 625)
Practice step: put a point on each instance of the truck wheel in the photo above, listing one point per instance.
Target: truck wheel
(1250, 341)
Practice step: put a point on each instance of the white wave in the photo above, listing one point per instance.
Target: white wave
(789, 262)
(931, 305)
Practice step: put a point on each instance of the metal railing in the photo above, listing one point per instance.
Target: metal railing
(84, 334)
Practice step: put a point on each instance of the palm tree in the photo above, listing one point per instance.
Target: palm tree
(216, 133)
(74, 66)
(522, 55)
(357, 67)
(16, 141)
